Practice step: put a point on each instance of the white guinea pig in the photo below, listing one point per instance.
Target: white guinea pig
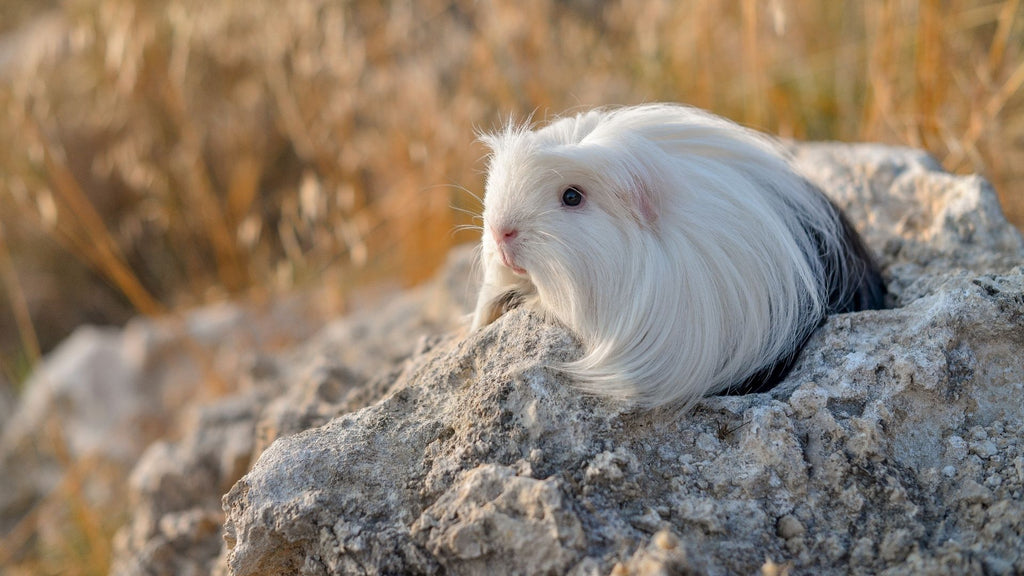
(684, 251)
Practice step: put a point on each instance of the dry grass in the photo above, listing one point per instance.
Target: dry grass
(184, 150)
(169, 152)
(66, 533)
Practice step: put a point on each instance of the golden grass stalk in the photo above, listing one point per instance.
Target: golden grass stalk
(19, 305)
(89, 234)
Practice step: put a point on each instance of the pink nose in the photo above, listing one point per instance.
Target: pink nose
(505, 234)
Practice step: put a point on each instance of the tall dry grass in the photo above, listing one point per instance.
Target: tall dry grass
(182, 150)
(163, 153)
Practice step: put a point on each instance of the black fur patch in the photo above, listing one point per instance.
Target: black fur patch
(854, 283)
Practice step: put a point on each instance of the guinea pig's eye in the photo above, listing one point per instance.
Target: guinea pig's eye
(571, 196)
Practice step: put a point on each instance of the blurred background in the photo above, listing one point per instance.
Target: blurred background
(158, 155)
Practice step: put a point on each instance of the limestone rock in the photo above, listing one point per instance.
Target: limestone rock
(105, 394)
(176, 488)
(398, 443)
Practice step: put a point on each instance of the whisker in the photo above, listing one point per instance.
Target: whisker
(458, 187)
(466, 211)
(470, 192)
(557, 241)
(467, 227)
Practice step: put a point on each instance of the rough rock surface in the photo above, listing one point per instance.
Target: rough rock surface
(176, 488)
(396, 443)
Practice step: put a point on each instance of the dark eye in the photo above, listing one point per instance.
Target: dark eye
(572, 196)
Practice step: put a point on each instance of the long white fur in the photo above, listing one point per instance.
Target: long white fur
(690, 265)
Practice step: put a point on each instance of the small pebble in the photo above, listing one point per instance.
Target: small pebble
(790, 527)
(984, 448)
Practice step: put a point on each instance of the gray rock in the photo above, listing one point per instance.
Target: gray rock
(176, 488)
(925, 224)
(104, 395)
(83, 384)
(398, 443)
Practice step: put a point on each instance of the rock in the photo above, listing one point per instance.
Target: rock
(536, 529)
(923, 223)
(345, 366)
(174, 491)
(397, 443)
(105, 394)
(789, 526)
(83, 384)
(77, 405)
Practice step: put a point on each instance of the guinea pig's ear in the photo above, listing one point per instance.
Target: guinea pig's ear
(642, 200)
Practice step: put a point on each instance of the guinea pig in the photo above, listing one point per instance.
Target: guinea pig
(686, 253)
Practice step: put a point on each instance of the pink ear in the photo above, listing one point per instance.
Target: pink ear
(642, 199)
